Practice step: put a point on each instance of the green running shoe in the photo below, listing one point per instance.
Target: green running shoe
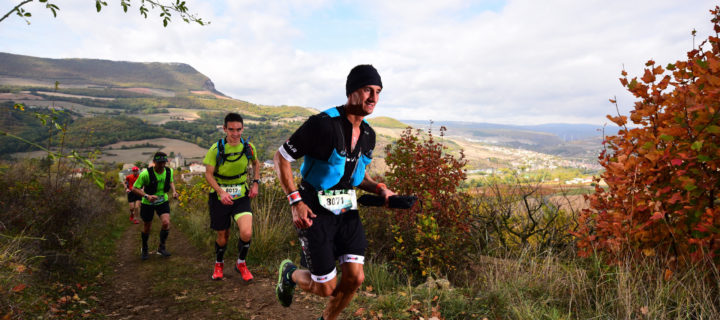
(285, 287)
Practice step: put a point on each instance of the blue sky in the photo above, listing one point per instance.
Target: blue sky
(512, 62)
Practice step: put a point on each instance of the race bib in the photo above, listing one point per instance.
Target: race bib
(236, 191)
(160, 199)
(338, 201)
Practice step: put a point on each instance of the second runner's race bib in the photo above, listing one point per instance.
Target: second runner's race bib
(338, 201)
(235, 190)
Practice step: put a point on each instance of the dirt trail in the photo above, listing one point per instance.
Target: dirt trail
(179, 287)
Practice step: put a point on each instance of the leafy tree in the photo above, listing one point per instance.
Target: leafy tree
(166, 9)
(430, 237)
(662, 173)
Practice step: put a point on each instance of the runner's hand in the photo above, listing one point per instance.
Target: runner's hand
(302, 215)
(386, 193)
(253, 190)
(152, 198)
(226, 198)
(176, 195)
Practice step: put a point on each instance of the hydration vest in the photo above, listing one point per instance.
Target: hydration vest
(151, 188)
(221, 157)
(323, 174)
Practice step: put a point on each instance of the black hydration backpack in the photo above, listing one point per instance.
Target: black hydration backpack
(151, 188)
(221, 157)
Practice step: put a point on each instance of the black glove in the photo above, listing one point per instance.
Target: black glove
(395, 202)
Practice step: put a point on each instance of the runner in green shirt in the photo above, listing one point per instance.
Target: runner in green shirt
(226, 170)
(153, 185)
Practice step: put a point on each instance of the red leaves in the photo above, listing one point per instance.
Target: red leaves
(662, 175)
(657, 216)
(648, 77)
(422, 166)
(19, 287)
(619, 120)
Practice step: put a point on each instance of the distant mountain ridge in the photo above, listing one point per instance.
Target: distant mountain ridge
(563, 139)
(564, 131)
(177, 77)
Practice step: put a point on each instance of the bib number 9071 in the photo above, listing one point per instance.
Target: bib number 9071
(338, 201)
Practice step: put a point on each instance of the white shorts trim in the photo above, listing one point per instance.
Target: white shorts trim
(324, 278)
(352, 258)
(284, 153)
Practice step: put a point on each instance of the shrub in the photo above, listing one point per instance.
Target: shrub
(430, 237)
(49, 224)
(519, 214)
(662, 173)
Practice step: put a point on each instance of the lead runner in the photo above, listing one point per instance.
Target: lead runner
(337, 145)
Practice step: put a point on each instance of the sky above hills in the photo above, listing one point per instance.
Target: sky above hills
(510, 62)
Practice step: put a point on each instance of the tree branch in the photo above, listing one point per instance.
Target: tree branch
(15, 9)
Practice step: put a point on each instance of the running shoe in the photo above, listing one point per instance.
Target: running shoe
(161, 251)
(285, 287)
(218, 272)
(244, 272)
(135, 221)
(144, 253)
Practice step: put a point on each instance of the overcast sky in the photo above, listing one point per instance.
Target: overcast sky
(511, 62)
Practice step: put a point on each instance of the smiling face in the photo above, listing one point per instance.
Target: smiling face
(233, 130)
(362, 101)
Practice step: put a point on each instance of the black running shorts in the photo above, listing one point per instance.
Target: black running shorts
(330, 237)
(221, 215)
(132, 197)
(147, 210)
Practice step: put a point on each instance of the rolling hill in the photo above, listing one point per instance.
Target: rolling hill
(173, 77)
(113, 101)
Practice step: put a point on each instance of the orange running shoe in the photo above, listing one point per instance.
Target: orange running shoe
(244, 272)
(218, 272)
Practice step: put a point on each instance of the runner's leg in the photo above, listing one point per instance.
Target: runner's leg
(351, 279)
(244, 223)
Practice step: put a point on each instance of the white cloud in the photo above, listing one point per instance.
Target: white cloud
(524, 62)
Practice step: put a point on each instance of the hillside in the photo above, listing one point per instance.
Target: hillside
(108, 102)
(173, 77)
(387, 122)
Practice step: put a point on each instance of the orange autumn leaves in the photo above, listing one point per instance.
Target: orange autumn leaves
(662, 174)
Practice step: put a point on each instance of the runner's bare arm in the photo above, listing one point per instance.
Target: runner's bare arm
(302, 215)
(370, 185)
(174, 192)
(225, 197)
(256, 176)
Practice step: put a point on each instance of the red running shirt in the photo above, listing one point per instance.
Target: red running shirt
(130, 180)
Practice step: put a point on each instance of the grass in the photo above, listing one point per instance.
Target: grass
(54, 274)
(538, 285)
(273, 238)
(525, 285)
